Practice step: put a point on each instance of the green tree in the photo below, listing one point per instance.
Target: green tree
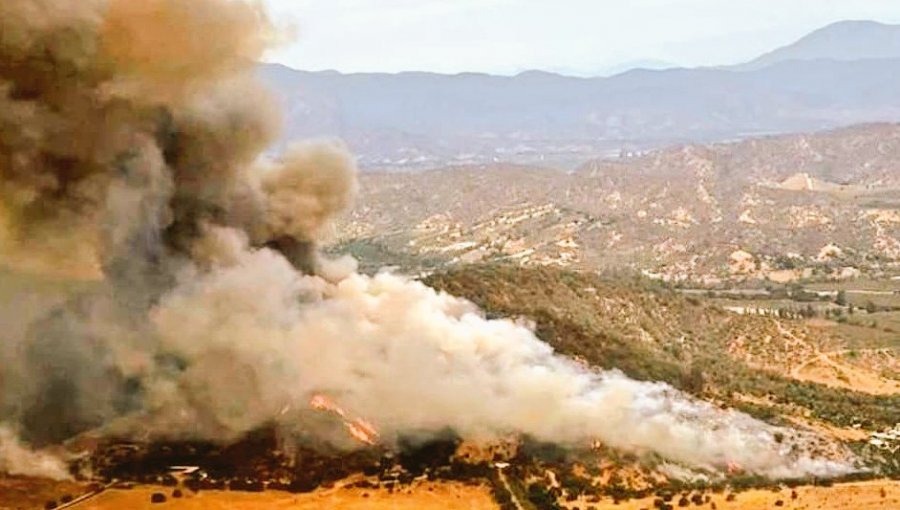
(841, 299)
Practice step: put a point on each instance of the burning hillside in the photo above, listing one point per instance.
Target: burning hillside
(131, 136)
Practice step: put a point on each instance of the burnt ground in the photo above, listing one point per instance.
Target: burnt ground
(535, 476)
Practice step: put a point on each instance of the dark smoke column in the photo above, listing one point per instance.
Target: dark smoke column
(128, 131)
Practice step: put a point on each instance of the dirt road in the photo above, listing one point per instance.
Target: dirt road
(826, 368)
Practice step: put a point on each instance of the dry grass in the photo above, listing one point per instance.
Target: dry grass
(27, 493)
(830, 369)
(850, 496)
(425, 496)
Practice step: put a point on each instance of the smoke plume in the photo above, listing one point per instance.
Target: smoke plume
(16, 459)
(131, 136)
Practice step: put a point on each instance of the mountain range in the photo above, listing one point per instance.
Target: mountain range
(846, 73)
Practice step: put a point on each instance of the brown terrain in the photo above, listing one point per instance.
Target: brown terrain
(830, 369)
(851, 496)
(780, 208)
(872, 495)
(428, 496)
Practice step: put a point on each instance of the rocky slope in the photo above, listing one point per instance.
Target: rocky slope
(779, 208)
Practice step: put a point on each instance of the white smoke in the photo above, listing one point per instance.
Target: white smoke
(412, 359)
(17, 459)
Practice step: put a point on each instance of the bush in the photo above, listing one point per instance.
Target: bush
(541, 498)
(841, 299)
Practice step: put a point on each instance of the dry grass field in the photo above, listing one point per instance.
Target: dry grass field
(872, 495)
(26, 494)
(424, 496)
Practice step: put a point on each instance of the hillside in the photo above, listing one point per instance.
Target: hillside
(780, 208)
(655, 334)
(634, 325)
(844, 40)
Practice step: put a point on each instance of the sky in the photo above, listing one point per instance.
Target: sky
(577, 37)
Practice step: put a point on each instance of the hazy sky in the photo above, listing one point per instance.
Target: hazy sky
(569, 36)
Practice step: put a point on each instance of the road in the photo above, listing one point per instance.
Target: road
(509, 490)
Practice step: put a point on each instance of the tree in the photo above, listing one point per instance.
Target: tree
(841, 299)
(693, 381)
(541, 497)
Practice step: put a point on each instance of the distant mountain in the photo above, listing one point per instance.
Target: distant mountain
(844, 40)
(422, 120)
(843, 74)
(650, 64)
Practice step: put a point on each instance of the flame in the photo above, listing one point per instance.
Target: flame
(362, 431)
(734, 468)
(367, 427)
(323, 403)
(359, 428)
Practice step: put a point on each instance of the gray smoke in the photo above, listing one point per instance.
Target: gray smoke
(17, 459)
(127, 130)
(130, 142)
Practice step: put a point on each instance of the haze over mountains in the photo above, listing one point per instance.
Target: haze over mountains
(845, 73)
(844, 41)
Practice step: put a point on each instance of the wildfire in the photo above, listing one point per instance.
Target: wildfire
(359, 428)
(362, 431)
(323, 403)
